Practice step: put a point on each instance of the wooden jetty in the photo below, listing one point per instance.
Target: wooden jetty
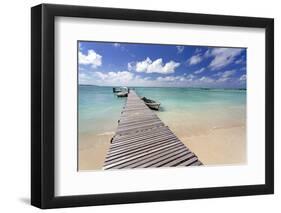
(142, 140)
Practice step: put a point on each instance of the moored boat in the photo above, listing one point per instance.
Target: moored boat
(122, 94)
(151, 103)
(116, 89)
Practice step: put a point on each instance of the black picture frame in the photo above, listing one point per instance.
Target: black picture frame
(43, 101)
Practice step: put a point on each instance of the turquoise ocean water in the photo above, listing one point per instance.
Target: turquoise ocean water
(184, 109)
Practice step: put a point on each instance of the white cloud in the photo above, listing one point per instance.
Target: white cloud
(157, 66)
(239, 61)
(197, 50)
(188, 80)
(126, 78)
(131, 66)
(228, 73)
(142, 66)
(195, 59)
(180, 49)
(206, 79)
(116, 44)
(199, 71)
(243, 78)
(179, 78)
(167, 78)
(207, 53)
(190, 77)
(225, 76)
(171, 78)
(92, 58)
(83, 78)
(243, 68)
(119, 76)
(222, 57)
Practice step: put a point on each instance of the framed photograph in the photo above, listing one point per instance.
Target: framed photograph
(140, 106)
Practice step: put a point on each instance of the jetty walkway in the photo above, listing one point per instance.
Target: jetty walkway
(142, 140)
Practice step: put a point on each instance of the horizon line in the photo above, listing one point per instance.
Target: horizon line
(165, 86)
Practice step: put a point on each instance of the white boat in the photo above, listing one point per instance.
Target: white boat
(116, 89)
(122, 94)
(151, 104)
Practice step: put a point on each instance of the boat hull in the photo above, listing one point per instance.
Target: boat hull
(154, 106)
(122, 94)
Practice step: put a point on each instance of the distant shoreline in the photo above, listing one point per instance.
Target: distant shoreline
(202, 88)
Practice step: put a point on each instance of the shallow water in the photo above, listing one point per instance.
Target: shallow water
(99, 109)
(193, 111)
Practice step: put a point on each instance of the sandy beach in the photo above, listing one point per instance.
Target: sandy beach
(92, 150)
(218, 146)
(216, 141)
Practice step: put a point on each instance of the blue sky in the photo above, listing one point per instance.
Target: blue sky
(129, 64)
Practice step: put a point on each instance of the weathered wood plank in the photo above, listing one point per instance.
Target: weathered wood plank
(147, 132)
(144, 149)
(181, 159)
(137, 129)
(137, 140)
(168, 153)
(125, 159)
(191, 162)
(143, 144)
(147, 159)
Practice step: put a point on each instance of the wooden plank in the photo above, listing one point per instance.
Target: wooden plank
(148, 132)
(196, 163)
(191, 162)
(138, 126)
(136, 119)
(123, 140)
(181, 159)
(139, 143)
(137, 129)
(136, 123)
(109, 165)
(142, 144)
(138, 140)
(142, 161)
(142, 151)
(159, 144)
(168, 153)
(167, 161)
(149, 164)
